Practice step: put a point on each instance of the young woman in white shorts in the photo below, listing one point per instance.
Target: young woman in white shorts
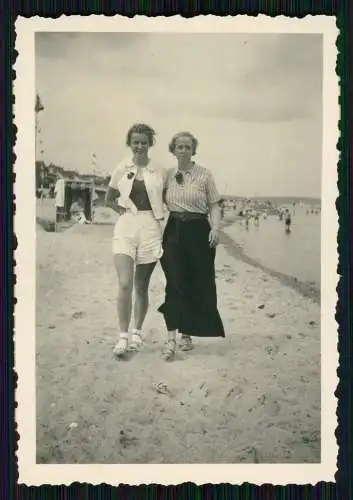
(136, 193)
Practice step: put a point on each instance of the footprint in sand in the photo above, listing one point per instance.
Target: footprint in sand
(310, 437)
(126, 440)
(272, 349)
(222, 372)
(161, 388)
(251, 454)
(204, 389)
(235, 392)
(78, 315)
(270, 406)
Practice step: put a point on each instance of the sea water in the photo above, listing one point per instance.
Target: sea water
(296, 253)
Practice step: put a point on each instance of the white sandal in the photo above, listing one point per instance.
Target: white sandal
(122, 345)
(136, 340)
(169, 350)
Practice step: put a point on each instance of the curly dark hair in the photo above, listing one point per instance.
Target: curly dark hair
(141, 128)
(183, 134)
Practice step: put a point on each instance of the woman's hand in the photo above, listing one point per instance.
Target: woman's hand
(119, 209)
(213, 237)
(215, 214)
(161, 223)
(111, 200)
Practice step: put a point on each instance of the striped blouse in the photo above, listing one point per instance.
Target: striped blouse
(195, 193)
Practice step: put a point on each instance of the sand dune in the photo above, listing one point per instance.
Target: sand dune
(251, 397)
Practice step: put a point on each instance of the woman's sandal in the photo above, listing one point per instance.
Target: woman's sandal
(136, 340)
(121, 347)
(169, 351)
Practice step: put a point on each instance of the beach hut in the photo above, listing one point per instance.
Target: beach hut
(75, 189)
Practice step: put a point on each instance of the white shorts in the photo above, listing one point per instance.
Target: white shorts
(139, 236)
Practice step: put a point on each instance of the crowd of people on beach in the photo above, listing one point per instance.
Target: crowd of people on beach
(284, 214)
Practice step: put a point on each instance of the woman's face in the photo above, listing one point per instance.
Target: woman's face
(183, 149)
(139, 145)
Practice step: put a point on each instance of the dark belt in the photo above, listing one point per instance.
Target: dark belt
(188, 216)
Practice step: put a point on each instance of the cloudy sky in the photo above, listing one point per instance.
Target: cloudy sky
(253, 101)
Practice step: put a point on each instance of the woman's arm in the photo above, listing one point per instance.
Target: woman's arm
(215, 215)
(166, 175)
(214, 209)
(110, 200)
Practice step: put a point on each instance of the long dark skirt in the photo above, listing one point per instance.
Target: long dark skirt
(188, 263)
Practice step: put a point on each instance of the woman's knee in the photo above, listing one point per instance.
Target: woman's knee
(125, 273)
(142, 278)
(124, 286)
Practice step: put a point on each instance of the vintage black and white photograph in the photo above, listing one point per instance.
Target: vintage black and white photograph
(179, 253)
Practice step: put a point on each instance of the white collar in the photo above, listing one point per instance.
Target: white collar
(150, 166)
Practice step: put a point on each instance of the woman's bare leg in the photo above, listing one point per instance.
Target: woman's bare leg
(142, 278)
(124, 266)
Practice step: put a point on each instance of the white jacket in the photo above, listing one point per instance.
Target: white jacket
(154, 177)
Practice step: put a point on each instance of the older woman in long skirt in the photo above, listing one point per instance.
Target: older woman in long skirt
(189, 246)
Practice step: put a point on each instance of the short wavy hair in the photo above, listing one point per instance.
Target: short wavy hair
(194, 141)
(141, 128)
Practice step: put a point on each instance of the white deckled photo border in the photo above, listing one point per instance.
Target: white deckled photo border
(31, 473)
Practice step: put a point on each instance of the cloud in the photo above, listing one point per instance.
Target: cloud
(253, 100)
(74, 45)
(264, 77)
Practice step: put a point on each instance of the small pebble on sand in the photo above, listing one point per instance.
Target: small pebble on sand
(73, 425)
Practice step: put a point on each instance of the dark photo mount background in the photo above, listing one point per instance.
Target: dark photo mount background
(342, 488)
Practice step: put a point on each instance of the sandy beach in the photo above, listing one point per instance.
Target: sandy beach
(251, 397)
